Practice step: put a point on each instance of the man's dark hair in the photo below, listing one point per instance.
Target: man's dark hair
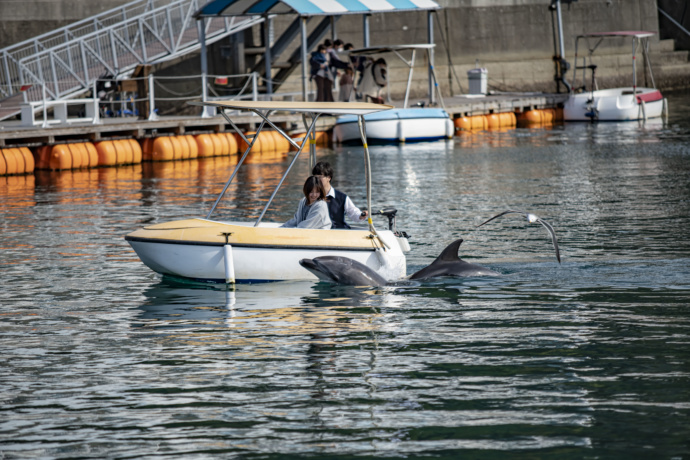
(337, 42)
(322, 168)
(328, 42)
(349, 46)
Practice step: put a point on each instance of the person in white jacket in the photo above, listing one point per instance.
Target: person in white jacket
(312, 211)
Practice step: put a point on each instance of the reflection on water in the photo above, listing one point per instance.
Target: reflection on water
(103, 358)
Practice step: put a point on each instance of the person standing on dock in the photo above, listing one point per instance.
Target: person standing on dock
(321, 74)
(339, 204)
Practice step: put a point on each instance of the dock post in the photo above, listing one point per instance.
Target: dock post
(152, 101)
(432, 77)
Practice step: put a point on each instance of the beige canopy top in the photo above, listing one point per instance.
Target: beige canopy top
(338, 108)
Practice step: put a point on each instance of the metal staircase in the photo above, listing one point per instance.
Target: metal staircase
(66, 62)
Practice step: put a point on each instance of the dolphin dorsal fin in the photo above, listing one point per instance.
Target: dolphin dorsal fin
(451, 252)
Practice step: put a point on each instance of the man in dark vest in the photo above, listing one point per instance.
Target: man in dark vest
(339, 204)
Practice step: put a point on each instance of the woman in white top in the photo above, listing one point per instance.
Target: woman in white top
(312, 211)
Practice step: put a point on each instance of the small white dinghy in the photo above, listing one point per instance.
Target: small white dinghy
(615, 104)
(203, 249)
(406, 124)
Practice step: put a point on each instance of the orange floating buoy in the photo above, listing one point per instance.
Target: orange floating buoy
(232, 143)
(137, 154)
(42, 157)
(107, 156)
(193, 147)
(257, 144)
(323, 138)
(29, 163)
(205, 146)
(162, 149)
(3, 163)
(471, 123)
(147, 148)
(184, 148)
(493, 121)
(80, 158)
(268, 143)
(11, 163)
(91, 154)
(223, 142)
(60, 157)
(508, 119)
(217, 145)
(176, 146)
(121, 152)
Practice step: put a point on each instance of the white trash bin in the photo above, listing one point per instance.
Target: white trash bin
(477, 79)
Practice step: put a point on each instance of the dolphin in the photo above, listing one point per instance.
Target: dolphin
(449, 264)
(342, 270)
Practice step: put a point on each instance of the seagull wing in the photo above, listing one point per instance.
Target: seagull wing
(510, 211)
(548, 227)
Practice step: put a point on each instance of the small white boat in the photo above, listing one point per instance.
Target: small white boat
(203, 249)
(406, 124)
(615, 104)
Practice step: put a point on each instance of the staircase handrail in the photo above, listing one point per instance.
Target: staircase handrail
(675, 23)
(132, 40)
(72, 30)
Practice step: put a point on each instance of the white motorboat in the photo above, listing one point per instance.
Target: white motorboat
(615, 104)
(406, 124)
(203, 249)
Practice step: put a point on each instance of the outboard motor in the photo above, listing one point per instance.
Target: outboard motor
(402, 237)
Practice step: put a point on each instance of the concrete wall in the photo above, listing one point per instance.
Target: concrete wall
(513, 39)
(24, 19)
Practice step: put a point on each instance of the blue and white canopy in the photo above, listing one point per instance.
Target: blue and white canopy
(311, 7)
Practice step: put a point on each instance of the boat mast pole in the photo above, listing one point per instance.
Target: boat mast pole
(239, 163)
(409, 77)
(634, 49)
(304, 142)
(367, 173)
(303, 31)
(430, 33)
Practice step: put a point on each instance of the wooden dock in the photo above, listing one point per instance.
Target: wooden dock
(12, 134)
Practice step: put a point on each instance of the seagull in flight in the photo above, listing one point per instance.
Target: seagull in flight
(531, 218)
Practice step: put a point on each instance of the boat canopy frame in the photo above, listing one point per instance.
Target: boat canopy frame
(314, 110)
(639, 38)
(304, 9)
(396, 49)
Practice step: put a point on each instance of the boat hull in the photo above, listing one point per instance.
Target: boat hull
(189, 249)
(396, 125)
(617, 104)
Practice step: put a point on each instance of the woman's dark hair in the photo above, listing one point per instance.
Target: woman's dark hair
(349, 46)
(327, 42)
(311, 183)
(322, 168)
(321, 48)
(337, 42)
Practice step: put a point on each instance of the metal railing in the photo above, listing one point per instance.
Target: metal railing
(161, 96)
(147, 32)
(674, 22)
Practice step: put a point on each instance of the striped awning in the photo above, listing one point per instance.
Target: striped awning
(311, 7)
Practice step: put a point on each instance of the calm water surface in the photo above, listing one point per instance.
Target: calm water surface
(102, 358)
